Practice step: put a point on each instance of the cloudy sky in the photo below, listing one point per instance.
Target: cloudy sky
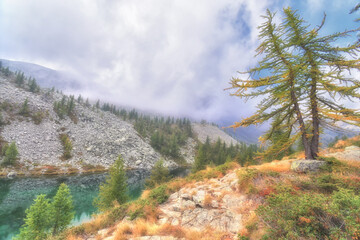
(169, 56)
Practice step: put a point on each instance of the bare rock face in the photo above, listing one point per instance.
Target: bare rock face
(214, 204)
(307, 165)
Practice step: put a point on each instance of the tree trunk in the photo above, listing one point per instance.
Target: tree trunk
(307, 147)
(314, 107)
(315, 123)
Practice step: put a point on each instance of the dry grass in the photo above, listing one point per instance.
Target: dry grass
(170, 230)
(123, 231)
(207, 201)
(140, 228)
(176, 184)
(297, 155)
(145, 194)
(72, 237)
(97, 223)
(275, 166)
(352, 163)
(151, 213)
(207, 234)
(341, 144)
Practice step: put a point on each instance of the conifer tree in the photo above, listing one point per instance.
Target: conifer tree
(159, 174)
(33, 87)
(37, 220)
(25, 108)
(114, 188)
(20, 79)
(61, 209)
(301, 69)
(200, 160)
(11, 153)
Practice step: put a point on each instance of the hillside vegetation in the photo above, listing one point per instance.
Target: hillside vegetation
(266, 201)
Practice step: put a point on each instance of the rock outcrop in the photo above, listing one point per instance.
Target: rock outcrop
(213, 204)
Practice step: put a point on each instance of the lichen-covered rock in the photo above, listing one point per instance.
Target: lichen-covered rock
(307, 165)
(213, 204)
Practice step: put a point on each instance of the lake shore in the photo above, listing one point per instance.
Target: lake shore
(48, 170)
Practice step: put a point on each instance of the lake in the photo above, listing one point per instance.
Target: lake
(17, 194)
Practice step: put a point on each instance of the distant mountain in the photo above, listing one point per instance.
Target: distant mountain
(45, 77)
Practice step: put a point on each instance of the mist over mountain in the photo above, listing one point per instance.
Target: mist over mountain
(45, 77)
(48, 78)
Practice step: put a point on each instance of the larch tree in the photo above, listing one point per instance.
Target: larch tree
(324, 69)
(115, 187)
(300, 78)
(37, 220)
(61, 209)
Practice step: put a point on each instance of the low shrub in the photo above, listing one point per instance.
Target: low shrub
(226, 167)
(117, 213)
(38, 117)
(159, 194)
(246, 177)
(297, 215)
(67, 146)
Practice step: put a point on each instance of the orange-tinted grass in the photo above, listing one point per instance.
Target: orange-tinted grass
(144, 228)
(72, 237)
(170, 230)
(95, 224)
(145, 194)
(123, 231)
(352, 163)
(206, 234)
(275, 166)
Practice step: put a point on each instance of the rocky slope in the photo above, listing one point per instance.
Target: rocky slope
(97, 137)
(202, 131)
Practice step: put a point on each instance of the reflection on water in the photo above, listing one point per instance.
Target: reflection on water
(16, 195)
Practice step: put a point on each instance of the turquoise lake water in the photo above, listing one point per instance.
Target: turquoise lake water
(16, 195)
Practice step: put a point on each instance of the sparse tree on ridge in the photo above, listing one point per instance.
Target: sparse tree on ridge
(305, 76)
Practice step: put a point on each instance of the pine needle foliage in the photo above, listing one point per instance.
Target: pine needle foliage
(115, 187)
(61, 209)
(301, 78)
(37, 220)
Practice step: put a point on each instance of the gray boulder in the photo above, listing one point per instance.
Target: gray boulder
(11, 174)
(307, 165)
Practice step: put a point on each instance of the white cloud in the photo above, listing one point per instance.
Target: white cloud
(174, 57)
